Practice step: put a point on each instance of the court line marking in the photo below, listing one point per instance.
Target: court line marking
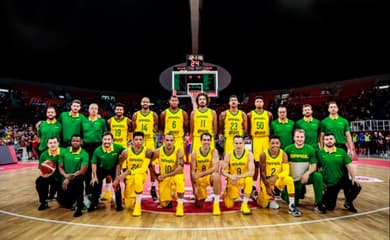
(191, 228)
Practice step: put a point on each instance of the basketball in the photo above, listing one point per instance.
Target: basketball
(48, 167)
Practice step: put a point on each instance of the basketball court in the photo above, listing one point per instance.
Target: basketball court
(21, 220)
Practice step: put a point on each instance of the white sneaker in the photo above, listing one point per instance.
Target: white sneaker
(273, 205)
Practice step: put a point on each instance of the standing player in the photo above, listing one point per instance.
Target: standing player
(204, 173)
(137, 162)
(203, 119)
(146, 121)
(120, 126)
(175, 120)
(259, 121)
(171, 175)
(238, 167)
(232, 122)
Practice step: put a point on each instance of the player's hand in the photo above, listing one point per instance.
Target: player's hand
(353, 155)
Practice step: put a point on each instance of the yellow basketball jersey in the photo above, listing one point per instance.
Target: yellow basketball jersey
(273, 164)
(136, 159)
(238, 165)
(203, 122)
(145, 124)
(167, 161)
(120, 131)
(259, 124)
(203, 161)
(174, 122)
(233, 124)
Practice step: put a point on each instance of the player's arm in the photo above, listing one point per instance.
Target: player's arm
(192, 122)
(222, 117)
(109, 124)
(155, 124)
(134, 120)
(185, 122)
(271, 117)
(263, 174)
(130, 125)
(285, 167)
(225, 165)
(193, 166)
(322, 134)
(244, 123)
(215, 123)
(162, 121)
(248, 123)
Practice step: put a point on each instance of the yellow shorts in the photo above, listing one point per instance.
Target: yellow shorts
(259, 145)
(232, 190)
(201, 187)
(134, 184)
(170, 186)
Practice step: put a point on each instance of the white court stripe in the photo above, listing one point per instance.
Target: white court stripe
(191, 228)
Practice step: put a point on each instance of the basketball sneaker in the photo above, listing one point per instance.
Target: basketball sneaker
(43, 206)
(180, 210)
(137, 210)
(320, 209)
(294, 211)
(216, 209)
(273, 205)
(245, 209)
(349, 206)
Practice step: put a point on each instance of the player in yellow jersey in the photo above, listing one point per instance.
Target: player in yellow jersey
(170, 163)
(204, 173)
(238, 167)
(259, 121)
(137, 162)
(275, 173)
(146, 121)
(120, 126)
(175, 120)
(203, 119)
(232, 122)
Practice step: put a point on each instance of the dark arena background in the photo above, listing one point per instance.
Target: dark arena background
(106, 52)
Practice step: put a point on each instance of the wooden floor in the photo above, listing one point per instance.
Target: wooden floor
(20, 218)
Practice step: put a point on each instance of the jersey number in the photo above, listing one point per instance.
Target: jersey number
(259, 125)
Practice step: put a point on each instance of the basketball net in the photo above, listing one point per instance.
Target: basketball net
(193, 94)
